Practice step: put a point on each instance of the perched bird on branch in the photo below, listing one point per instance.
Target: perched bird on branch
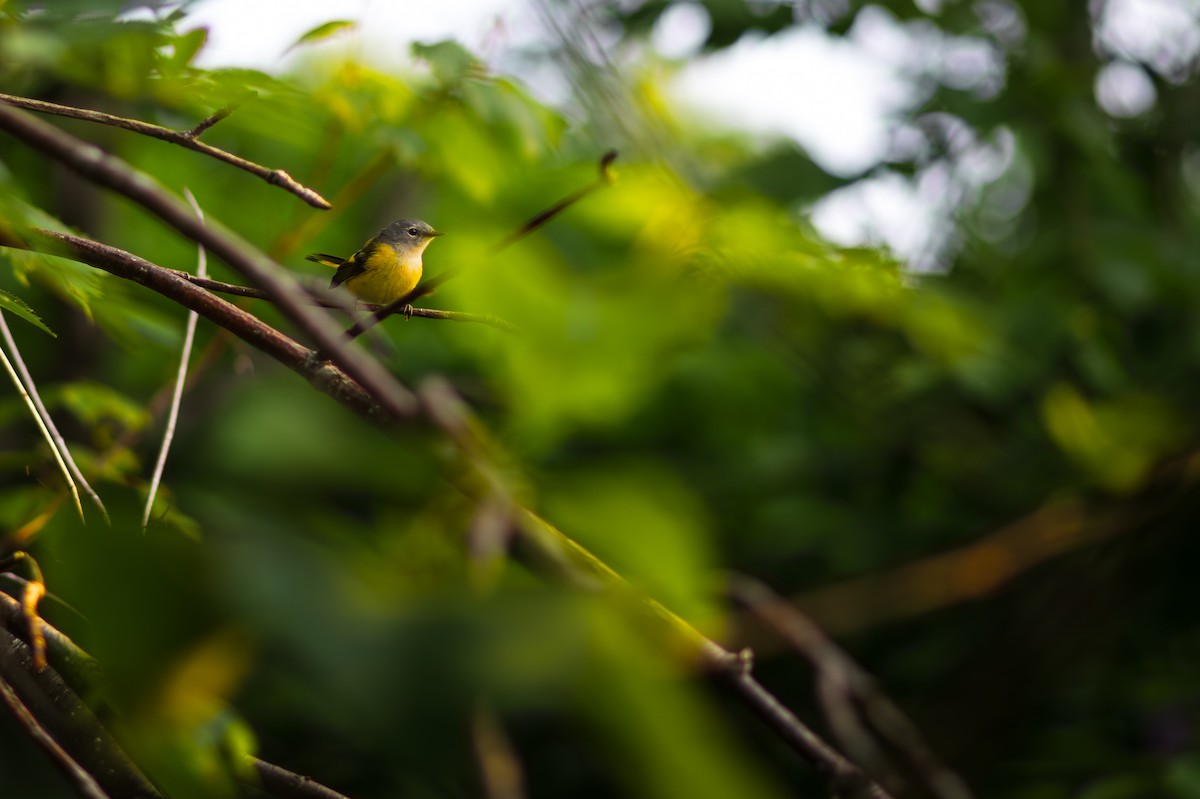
(387, 267)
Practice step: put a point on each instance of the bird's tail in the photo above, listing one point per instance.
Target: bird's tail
(331, 261)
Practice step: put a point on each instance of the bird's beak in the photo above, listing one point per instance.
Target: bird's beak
(433, 233)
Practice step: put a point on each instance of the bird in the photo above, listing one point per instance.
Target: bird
(387, 267)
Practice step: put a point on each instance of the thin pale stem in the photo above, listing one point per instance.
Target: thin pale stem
(31, 387)
(37, 417)
(189, 336)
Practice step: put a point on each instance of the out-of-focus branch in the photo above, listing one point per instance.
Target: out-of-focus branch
(69, 722)
(991, 562)
(552, 553)
(188, 139)
(52, 697)
(855, 707)
(500, 770)
(113, 173)
(84, 783)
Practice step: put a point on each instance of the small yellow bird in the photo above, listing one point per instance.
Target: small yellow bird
(387, 267)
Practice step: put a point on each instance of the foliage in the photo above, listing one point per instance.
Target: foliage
(700, 384)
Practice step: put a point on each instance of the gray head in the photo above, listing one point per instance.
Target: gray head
(408, 233)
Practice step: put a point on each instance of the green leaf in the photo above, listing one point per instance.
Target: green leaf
(322, 32)
(188, 45)
(13, 303)
(449, 60)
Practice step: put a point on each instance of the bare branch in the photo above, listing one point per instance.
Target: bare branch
(31, 387)
(84, 783)
(67, 720)
(856, 708)
(421, 313)
(322, 374)
(54, 704)
(112, 172)
(500, 770)
(208, 122)
(283, 784)
(37, 417)
(189, 336)
(276, 177)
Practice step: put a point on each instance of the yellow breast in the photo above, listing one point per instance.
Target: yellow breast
(386, 278)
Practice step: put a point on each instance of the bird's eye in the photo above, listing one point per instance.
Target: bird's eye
(412, 231)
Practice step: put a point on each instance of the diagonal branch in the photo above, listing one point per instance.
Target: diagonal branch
(249, 328)
(188, 139)
(856, 708)
(551, 552)
(51, 696)
(84, 783)
(114, 173)
(423, 313)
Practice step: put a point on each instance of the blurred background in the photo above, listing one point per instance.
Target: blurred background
(892, 306)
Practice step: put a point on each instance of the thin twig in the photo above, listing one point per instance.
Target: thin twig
(433, 284)
(276, 177)
(499, 769)
(84, 783)
(189, 336)
(112, 172)
(855, 706)
(208, 122)
(283, 784)
(37, 417)
(67, 719)
(31, 387)
(424, 313)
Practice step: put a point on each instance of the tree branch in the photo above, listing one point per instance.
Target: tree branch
(84, 783)
(54, 693)
(188, 139)
(110, 171)
(68, 720)
(855, 707)
(423, 313)
(323, 375)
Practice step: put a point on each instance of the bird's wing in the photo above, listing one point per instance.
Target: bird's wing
(353, 266)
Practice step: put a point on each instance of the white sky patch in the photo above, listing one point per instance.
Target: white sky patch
(256, 34)
(1165, 34)
(829, 94)
(1124, 90)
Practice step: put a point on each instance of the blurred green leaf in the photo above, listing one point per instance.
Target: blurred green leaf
(17, 306)
(323, 32)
